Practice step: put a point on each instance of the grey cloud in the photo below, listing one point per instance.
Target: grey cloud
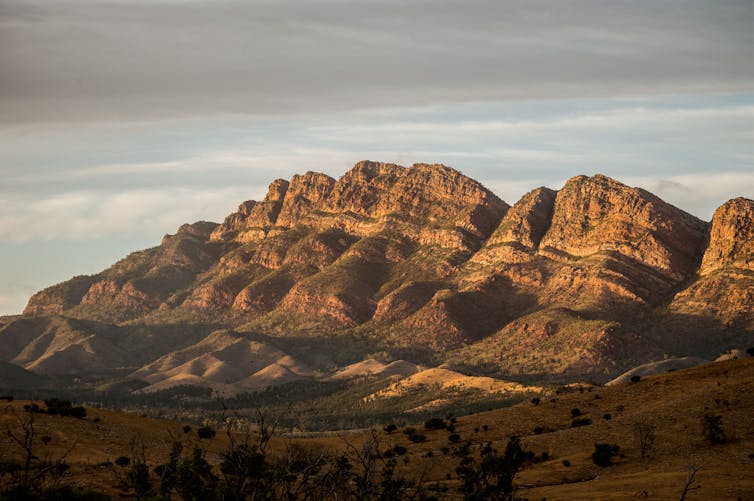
(77, 60)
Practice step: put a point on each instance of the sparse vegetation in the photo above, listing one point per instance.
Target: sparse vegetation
(712, 429)
(580, 422)
(206, 432)
(644, 435)
(604, 453)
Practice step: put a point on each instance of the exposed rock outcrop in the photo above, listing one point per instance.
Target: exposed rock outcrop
(731, 240)
(426, 261)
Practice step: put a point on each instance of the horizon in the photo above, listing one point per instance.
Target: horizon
(121, 120)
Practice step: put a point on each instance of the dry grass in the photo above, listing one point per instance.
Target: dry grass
(675, 403)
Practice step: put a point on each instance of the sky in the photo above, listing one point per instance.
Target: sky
(122, 119)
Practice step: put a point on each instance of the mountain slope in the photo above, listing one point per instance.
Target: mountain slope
(429, 266)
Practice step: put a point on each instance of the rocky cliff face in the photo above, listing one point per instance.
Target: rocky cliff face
(599, 214)
(731, 240)
(718, 305)
(426, 261)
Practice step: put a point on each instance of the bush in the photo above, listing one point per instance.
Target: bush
(34, 408)
(123, 461)
(399, 450)
(750, 351)
(576, 412)
(390, 428)
(417, 437)
(580, 422)
(636, 378)
(435, 424)
(603, 454)
(78, 412)
(454, 438)
(712, 428)
(566, 463)
(60, 407)
(607, 416)
(536, 400)
(186, 429)
(206, 432)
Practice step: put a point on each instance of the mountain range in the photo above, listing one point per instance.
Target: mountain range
(420, 266)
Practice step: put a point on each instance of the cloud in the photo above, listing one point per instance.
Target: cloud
(702, 191)
(82, 60)
(94, 215)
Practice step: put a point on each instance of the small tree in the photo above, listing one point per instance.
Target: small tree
(644, 434)
(691, 484)
(712, 428)
(491, 477)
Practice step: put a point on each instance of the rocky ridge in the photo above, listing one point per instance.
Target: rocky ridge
(585, 281)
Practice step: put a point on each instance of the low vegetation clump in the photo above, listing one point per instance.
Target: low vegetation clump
(56, 406)
(206, 432)
(603, 453)
(578, 422)
(712, 429)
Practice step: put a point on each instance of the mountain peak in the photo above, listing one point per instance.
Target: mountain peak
(731, 237)
(424, 259)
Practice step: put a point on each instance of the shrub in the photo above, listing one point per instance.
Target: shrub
(399, 450)
(409, 430)
(454, 438)
(536, 400)
(603, 454)
(750, 351)
(607, 416)
(580, 422)
(390, 428)
(78, 412)
(576, 412)
(538, 430)
(8, 398)
(123, 461)
(206, 432)
(186, 428)
(417, 437)
(636, 378)
(138, 479)
(712, 428)
(33, 408)
(435, 424)
(491, 476)
(566, 463)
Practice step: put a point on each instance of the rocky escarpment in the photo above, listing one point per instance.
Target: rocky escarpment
(724, 290)
(426, 262)
(731, 240)
(137, 284)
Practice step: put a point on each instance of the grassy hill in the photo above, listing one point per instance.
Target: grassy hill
(671, 406)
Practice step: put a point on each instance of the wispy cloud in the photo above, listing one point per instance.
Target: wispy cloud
(92, 215)
(80, 60)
